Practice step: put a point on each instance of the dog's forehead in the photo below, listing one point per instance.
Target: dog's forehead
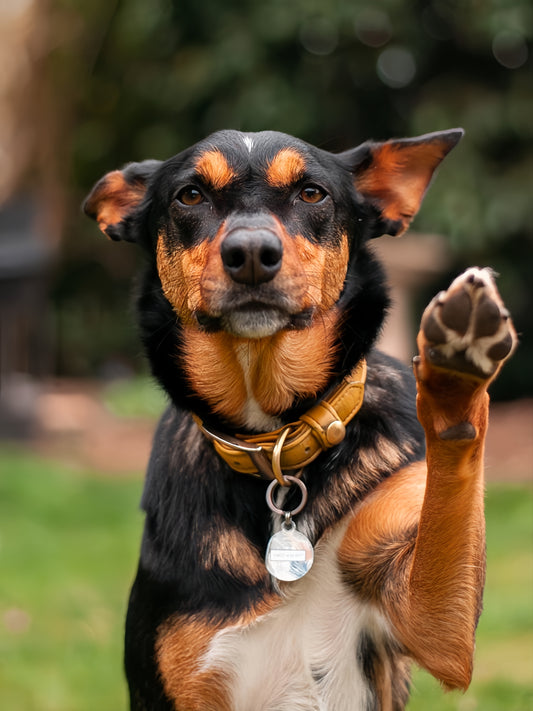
(253, 147)
(229, 155)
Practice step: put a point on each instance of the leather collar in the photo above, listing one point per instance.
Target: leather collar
(297, 444)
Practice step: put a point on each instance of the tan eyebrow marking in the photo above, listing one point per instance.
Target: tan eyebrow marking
(213, 167)
(285, 168)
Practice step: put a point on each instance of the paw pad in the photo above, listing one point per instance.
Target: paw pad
(467, 327)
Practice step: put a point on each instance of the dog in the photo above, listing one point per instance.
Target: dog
(314, 508)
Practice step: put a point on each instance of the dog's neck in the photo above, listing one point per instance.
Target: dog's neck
(251, 382)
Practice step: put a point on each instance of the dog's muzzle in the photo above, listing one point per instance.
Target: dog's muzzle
(251, 251)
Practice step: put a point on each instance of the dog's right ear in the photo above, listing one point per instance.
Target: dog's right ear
(114, 198)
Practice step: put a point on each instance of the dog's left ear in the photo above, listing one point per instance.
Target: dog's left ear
(114, 198)
(393, 176)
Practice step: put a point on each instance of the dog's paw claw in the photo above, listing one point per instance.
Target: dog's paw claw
(467, 328)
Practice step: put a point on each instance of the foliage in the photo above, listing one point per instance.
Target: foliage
(147, 79)
(68, 545)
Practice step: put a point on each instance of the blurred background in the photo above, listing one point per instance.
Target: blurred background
(88, 86)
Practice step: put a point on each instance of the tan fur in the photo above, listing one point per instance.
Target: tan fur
(220, 380)
(311, 276)
(324, 269)
(179, 648)
(213, 167)
(113, 199)
(398, 177)
(194, 279)
(286, 168)
(180, 271)
(226, 547)
(182, 643)
(289, 364)
(299, 364)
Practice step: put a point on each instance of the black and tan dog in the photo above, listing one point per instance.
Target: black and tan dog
(259, 308)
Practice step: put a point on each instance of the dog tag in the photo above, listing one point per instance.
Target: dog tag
(289, 553)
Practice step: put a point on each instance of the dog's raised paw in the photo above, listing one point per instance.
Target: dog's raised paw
(467, 328)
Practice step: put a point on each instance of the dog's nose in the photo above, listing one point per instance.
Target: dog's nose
(251, 256)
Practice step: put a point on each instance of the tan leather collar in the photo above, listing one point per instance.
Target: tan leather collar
(299, 443)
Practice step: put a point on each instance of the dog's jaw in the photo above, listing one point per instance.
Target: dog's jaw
(255, 321)
(259, 321)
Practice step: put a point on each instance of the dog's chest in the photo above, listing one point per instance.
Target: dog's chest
(305, 654)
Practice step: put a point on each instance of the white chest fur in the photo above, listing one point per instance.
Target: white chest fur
(303, 656)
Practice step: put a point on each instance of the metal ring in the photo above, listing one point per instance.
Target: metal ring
(229, 441)
(276, 457)
(276, 509)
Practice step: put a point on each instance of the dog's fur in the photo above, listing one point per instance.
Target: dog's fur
(260, 294)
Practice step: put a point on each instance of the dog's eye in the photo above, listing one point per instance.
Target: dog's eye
(190, 196)
(312, 194)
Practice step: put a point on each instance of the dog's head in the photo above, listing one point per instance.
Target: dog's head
(255, 235)
(253, 232)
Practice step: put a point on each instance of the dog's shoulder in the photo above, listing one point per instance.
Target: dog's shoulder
(387, 420)
(390, 395)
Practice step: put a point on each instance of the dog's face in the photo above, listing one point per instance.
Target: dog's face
(256, 241)
(253, 233)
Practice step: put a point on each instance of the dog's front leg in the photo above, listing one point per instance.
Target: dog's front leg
(465, 335)
(416, 545)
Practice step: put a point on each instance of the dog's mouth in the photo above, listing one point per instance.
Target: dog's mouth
(255, 320)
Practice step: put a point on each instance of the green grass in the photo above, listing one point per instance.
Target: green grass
(135, 397)
(68, 547)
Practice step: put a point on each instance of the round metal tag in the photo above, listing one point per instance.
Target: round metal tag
(289, 553)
